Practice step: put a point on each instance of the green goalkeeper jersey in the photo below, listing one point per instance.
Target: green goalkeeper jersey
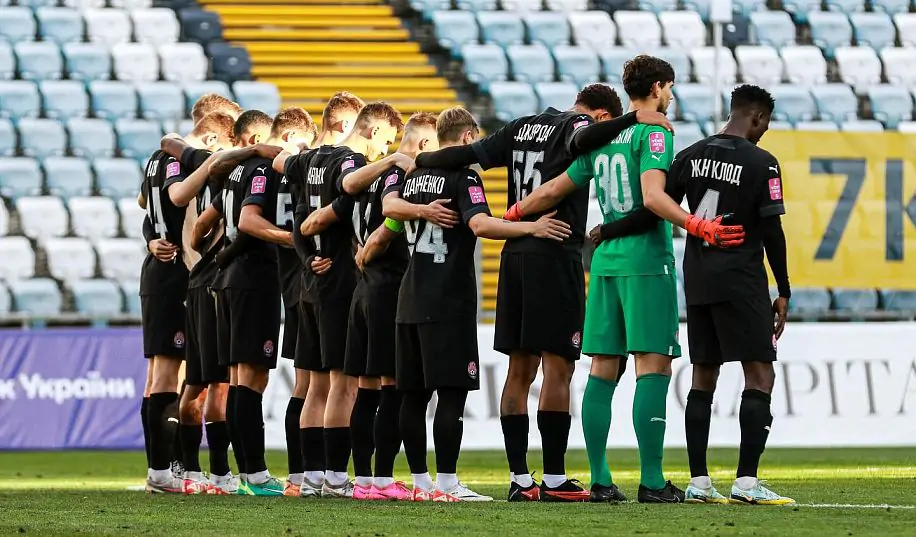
(617, 169)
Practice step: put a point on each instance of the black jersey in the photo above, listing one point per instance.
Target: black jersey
(166, 221)
(720, 175)
(440, 282)
(203, 273)
(536, 149)
(319, 174)
(253, 182)
(388, 267)
(290, 266)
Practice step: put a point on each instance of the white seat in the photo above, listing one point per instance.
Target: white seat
(521, 7)
(638, 29)
(593, 29)
(907, 127)
(18, 258)
(107, 25)
(817, 126)
(567, 6)
(135, 62)
(131, 5)
(804, 65)
(703, 59)
(42, 217)
(121, 259)
(70, 258)
(759, 65)
(6, 303)
(862, 125)
(85, 4)
(4, 220)
(183, 62)
(683, 29)
(94, 217)
(131, 217)
(859, 67)
(900, 65)
(906, 28)
(156, 26)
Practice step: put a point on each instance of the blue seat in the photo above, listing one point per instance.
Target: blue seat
(91, 138)
(59, 24)
(737, 32)
(547, 28)
(530, 63)
(559, 95)
(195, 90)
(229, 62)
(428, 7)
(19, 177)
(577, 64)
(18, 99)
(63, 99)
(891, 6)
(612, 60)
(501, 28)
(615, 5)
(793, 103)
(454, 29)
(7, 61)
(7, 139)
(17, 24)
(773, 28)
(477, 5)
(68, 177)
(38, 60)
(809, 301)
(846, 6)
(35, 4)
(875, 30)
(96, 298)
(687, 135)
(678, 59)
(160, 101)
(257, 95)
(41, 138)
(694, 102)
(200, 26)
(112, 100)
(117, 177)
(893, 300)
(855, 300)
(512, 100)
(36, 297)
(746, 7)
(131, 290)
(890, 104)
(658, 6)
(87, 61)
(800, 9)
(830, 30)
(484, 64)
(835, 102)
(700, 6)
(137, 138)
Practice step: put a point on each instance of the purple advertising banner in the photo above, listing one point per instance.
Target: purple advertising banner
(71, 388)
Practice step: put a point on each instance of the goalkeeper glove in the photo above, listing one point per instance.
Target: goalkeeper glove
(713, 232)
(514, 214)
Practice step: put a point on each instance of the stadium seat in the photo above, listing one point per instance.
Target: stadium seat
(612, 60)
(160, 101)
(835, 102)
(858, 67)
(108, 26)
(830, 30)
(694, 102)
(194, 90)
(454, 29)
(6, 303)
(17, 24)
(91, 138)
(891, 7)
(793, 103)
(67, 177)
(7, 61)
(547, 28)
(801, 9)
(18, 258)
(805, 65)
(135, 62)
(200, 26)
(520, 6)
(846, 6)
(131, 217)
(63, 99)
(737, 32)
(558, 95)
(809, 301)
(657, 6)
(512, 100)
(119, 258)
(855, 300)
(229, 63)
(899, 65)
(137, 138)
(687, 135)
(817, 126)
(140, 4)
(678, 59)
(501, 28)
(577, 64)
(41, 138)
(638, 29)
(84, 4)
(36, 297)
(428, 7)
(567, 6)
(59, 24)
(93, 217)
(4, 221)
(530, 63)
(42, 217)
(594, 29)
(484, 64)
(895, 300)
(875, 30)
(862, 125)
(131, 290)
(117, 177)
(906, 27)
(890, 104)
(773, 28)
(183, 126)
(96, 298)
(19, 177)
(87, 61)
(746, 7)
(759, 65)
(112, 100)
(907, 127)
(683, 29)
(7, 138)
(477, 5)
(704, 63)
(155, 26)
(70, 258)
(183, 62)
(259, 95)
(35, 4)
(38, 60)
(624, 98)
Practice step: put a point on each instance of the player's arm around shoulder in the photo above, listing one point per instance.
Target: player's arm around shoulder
(554, 191)
(378, 242)
(261, 194)
(655, 150)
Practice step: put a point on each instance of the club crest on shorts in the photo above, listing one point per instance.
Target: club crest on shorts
(576, 339)
(268, 348)
(472, 370)
(774, 342)
(178, 340)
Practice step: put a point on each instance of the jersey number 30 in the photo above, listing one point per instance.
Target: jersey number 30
(430, 241)
(614, 182)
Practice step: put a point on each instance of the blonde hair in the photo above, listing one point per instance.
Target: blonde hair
(342, 101)
(292, 118)
(214, 102)
(454, 121)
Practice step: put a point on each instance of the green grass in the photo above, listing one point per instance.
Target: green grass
(69, 493)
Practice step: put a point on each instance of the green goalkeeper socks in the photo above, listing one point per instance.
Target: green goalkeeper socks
(649, 406)
(596, 423)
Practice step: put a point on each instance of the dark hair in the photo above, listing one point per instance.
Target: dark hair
(642, 72)
(748, 97)
(600, 97)
(248, 119)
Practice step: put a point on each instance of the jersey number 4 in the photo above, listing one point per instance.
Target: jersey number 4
(154, 210)
(430, 241)
(525, 173)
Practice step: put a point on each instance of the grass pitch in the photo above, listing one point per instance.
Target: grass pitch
(842, 492)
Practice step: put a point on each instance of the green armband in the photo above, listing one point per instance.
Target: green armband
(394, 225)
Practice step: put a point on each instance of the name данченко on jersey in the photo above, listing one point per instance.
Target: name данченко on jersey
(431, 184)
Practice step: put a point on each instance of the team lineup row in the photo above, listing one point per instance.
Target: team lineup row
(373, 258)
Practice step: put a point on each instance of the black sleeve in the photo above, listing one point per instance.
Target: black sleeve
(769, 199)
(174, 173)
(470, 197)
(675, 185)
(450, 158)
(774, 244)
(394, 181)
(638, 222)
(217, 202)
(599, 134)
(348, 166)
(148, 233)
(193, 158)
(294, 168)
(235, 248)
(343, 207)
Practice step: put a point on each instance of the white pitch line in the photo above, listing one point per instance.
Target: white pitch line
(853, 506)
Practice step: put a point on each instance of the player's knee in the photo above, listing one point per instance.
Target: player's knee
(558, 371)
(705, 377)
(606, 367)
(301, 387)
(653, 364)
(759, 376)
(523, 369)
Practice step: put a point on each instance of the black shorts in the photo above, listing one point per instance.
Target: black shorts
(540, 304)
(290, 332)
(326, 326)
(438, 355)
(308, 353)
(371, 333)
(736, 331)
(163, 318)
(248, 326)
(203, 365)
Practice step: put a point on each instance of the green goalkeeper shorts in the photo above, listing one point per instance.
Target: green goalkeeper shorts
(631, 315)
